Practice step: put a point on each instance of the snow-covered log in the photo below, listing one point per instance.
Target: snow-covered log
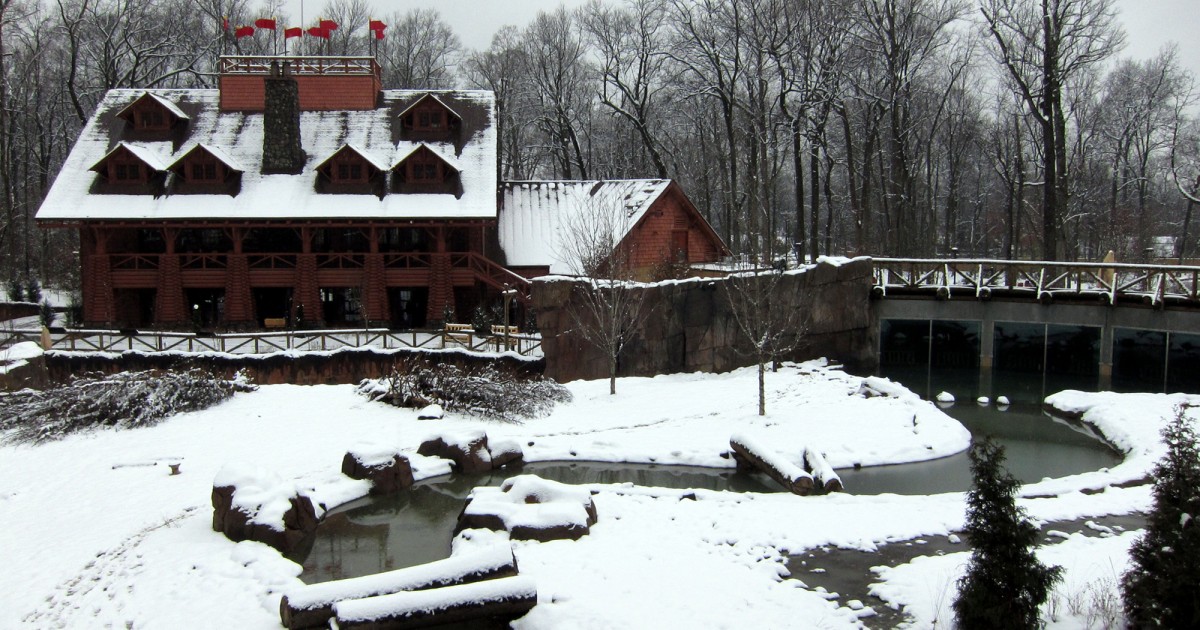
(389, 472)
(749, 451)
(501, 600)
(825, 476)
(311, 606)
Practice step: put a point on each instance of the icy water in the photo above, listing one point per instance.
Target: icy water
(372, 535)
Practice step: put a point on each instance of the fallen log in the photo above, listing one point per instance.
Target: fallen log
(502, 601)
(749, 452)
(825, 476)
(311, 606)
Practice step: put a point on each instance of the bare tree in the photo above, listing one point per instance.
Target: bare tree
(1041, 47)
(419, 51)
(607, 304)
(772, 321)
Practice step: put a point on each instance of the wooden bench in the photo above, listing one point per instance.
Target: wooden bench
(457, 333)
(275, 322)
(500, 332)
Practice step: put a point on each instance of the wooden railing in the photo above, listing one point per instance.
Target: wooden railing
(1109, 283)
(262, 343)
(253, 64)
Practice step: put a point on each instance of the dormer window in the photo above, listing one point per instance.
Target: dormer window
(127, 165)
(430, 114)
(205, 165)
(150, 112)
(426, 170)
(350, 169)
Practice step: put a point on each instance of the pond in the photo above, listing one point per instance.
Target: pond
(379, 534)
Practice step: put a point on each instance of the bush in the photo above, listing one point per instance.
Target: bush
(485, 390)
(46, 314)
(33, 290)
(1005, 584)
(1160, 587)
(16, 290)
(123, 400)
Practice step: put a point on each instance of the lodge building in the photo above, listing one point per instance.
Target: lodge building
(301, 191)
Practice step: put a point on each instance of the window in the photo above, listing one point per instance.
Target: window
(424, 171)
(151, 119)
(203, 172)
(127, 172)
(348, 172)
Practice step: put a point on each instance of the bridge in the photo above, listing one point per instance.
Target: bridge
(1137, 323)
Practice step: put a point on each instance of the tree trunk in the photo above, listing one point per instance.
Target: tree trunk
(762, 387)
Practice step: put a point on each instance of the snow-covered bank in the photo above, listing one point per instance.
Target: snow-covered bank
(97, 532)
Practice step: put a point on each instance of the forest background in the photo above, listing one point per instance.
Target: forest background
(917, 128)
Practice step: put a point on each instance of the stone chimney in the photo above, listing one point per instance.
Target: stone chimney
(282, 151)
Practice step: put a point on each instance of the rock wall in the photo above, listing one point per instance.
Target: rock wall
(690, 325)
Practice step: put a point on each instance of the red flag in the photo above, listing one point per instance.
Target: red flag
(243, 31)
(378, 34)
(376, 25)
(295, 31)
(317, 31)
(328, 25)
(267, 23)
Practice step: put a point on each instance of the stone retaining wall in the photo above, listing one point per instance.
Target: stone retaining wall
(690, 326)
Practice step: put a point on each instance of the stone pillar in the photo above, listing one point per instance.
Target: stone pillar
(239, 306)
(169, 307)
(282, 151)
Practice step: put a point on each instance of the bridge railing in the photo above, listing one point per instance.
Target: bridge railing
(1041, 280)
(262, 343)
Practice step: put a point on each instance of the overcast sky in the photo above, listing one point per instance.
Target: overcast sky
(1149, 23)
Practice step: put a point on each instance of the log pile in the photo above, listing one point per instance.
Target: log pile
(312, 606)
(815, 475)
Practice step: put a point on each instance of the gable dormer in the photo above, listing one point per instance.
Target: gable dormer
(351, 170)
(129, 169)
(206, 169)
(425, 170)
(153, 114)
(429, 117)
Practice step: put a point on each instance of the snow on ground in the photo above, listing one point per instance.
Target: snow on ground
(98, 533)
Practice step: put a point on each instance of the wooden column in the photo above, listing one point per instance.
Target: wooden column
(375, 299)
(170, 308)
(99, 308)
(307, 296)
(239, 304)
(441, 292)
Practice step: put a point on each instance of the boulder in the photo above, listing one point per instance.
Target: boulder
(468, 450)
(388, 475)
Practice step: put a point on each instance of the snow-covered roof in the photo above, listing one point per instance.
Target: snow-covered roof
(533, 215)
(146, 154)
(375, 133)
(166, 104)
(449, 160)
(216, 152)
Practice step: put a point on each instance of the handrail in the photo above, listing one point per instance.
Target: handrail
(254, 343)
(1153, 284)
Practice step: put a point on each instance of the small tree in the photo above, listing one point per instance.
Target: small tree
(33, 290)
(1160, 587)
(1005, 583)
(771, 321)
(608, 304)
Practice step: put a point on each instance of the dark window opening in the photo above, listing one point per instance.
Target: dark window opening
(127, 172)
(203, 172)
(151, 119)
